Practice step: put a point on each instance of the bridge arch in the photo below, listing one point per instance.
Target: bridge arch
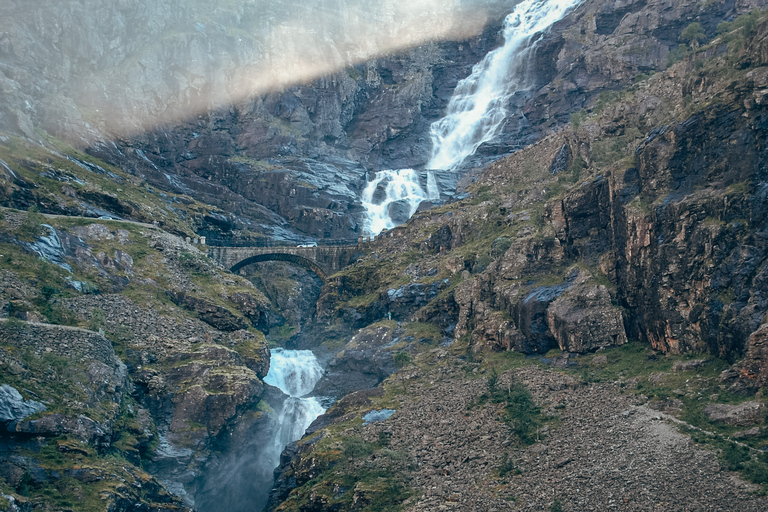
(288, 258)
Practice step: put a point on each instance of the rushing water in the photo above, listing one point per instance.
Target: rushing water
(476, 111)
(392, 197)
(475, 114)
(295, 373)
(244, 472)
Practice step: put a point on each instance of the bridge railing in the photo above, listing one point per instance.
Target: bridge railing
(279, 243)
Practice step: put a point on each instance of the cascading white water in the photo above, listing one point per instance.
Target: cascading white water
(401, 191)
(295, 372)
(475, 113)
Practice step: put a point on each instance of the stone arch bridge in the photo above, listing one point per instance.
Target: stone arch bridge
(323, 260)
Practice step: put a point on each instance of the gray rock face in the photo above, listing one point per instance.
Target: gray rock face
(365, 361)
(584, 319)
(746, 413)
(230, 143)
(13, 408)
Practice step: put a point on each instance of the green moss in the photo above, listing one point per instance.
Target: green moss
(578, 118)
(423, 332)
(31, 227)
(61, 381)
(352, 472)
(740, 188)
(605, 99)
(66, 492)
(612, 150)
(51, 171)
(752, 464)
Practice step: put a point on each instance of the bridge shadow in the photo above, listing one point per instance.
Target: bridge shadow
(299, 261)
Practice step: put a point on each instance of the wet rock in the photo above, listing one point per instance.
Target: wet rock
(50, 248)
(399, 211)
(561, 161)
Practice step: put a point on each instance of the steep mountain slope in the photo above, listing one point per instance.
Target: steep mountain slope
(639, 233)
(135, 354)
(301, 153)
(628, 247)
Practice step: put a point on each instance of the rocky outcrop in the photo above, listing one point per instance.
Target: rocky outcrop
(13, 408)
(292, 163)
(215, 316)
(754, 367)
(583, 319)
(365, 361)
(747, 413)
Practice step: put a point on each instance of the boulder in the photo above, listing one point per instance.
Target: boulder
(583, 319)
(363, 363)
(399, 211)
(746, 413)
(682, 366)
(13, 408)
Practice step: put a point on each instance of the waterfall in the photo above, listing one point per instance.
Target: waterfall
(244, 473)
(476, 111)
(295, 373)
(475, 114)
(392, 198)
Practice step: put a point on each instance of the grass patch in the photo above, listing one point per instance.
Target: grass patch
(351, 472)
(519, 411)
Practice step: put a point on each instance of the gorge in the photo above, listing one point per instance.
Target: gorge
(554, 290)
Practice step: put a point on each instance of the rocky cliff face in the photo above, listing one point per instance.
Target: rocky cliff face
(645, 221)
(183, 96)
(291, 164)
(148, 370)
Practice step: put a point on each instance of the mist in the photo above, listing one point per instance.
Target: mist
(98, 69)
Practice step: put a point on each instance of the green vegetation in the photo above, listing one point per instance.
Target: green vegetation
(752, 464)
(352, 470)
(63, 384)
(606, 98)
(607, 152)
(654, 376)
(578, 118)
(519, 412)
(66, 455)
(693, 35)
(737, 31)
(31, 227)
(67, 182)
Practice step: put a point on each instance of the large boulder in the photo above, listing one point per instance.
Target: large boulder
(583, 319)
(13, 408)
(365, 361)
